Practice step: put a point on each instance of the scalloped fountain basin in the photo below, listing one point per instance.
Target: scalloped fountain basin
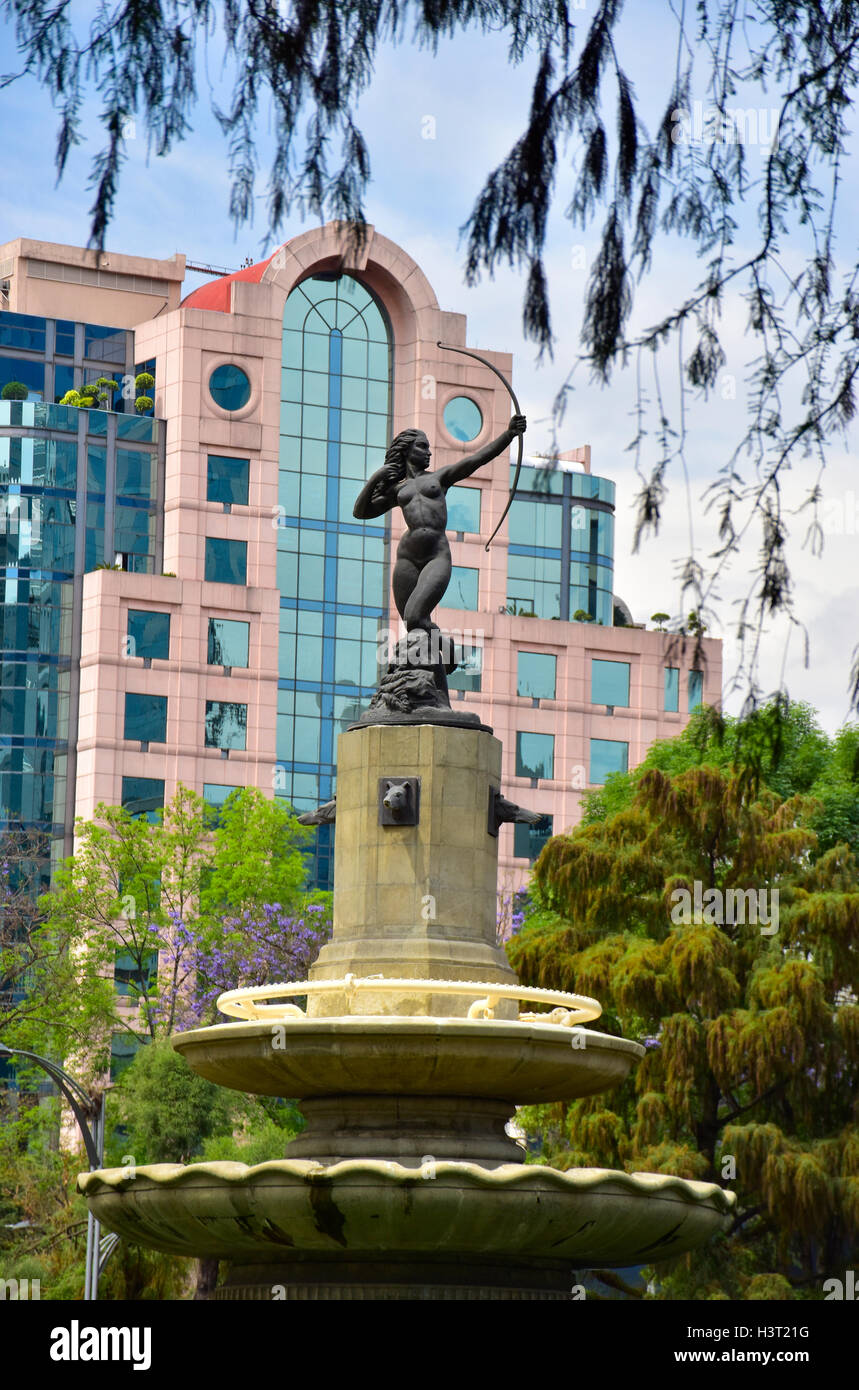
(365, 1209)
(500, 1059)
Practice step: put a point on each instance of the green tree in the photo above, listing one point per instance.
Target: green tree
(258, 854)
(15, 391)
(150, 896)
(752, 1066)
(780, 745)
(167, 1109)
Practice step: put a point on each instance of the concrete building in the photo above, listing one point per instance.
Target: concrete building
(241, 632)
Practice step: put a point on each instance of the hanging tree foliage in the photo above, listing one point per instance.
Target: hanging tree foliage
(764, 229)
(751, 1074)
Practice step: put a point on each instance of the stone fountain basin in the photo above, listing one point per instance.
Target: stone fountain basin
(291, 1209)
(521, 1063)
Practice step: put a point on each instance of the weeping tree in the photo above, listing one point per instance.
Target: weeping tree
(763, 224)
(703, 918)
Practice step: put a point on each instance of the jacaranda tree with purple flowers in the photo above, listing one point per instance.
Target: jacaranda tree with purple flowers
(178, 908)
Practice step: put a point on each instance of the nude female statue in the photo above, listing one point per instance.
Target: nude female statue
(422, 570)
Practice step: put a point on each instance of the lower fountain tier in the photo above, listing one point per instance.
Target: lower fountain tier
(367, 1229)
(490, 1059)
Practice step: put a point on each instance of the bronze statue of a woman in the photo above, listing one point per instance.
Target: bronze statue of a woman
(422, 570)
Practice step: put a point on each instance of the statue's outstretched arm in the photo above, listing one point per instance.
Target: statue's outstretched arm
(463, 468)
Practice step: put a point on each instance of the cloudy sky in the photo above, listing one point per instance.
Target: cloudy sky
(421, 194)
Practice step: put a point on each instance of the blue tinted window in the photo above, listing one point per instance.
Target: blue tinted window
(535, 675)
(672, 688)
(463, 588)
(65, 343)
(123, 1049)
(21, 380)
(143, 796)
(230, 387)
(148, 634)
(607, 755)
(104, 344)
(135, 975)
(226, 561)
(463, 419)
(468, 673)
(528, 840)
(145, 717)
(134, 473)
(463, 509)
(227, 479)
(228, 642)
(226, 724)
(64, 380)
(134, 533)
(696, 689)
(609, 682)
(22, 331)
(535, 756)
(215, 795)
(536, 523)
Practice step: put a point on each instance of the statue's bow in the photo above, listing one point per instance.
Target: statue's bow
(466, 352)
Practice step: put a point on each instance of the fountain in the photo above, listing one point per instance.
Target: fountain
(410, 1053)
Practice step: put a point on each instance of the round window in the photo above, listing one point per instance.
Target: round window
(462, 419)
(230, 387)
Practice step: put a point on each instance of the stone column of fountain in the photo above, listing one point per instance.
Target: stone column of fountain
(410, 1058)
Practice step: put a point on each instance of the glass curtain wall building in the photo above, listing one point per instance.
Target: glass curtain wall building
(78, 488)
(331, 569)
(561, 557)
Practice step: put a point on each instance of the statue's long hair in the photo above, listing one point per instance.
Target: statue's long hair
(397, 455)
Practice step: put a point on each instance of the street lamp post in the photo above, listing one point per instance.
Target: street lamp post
(85, 1108)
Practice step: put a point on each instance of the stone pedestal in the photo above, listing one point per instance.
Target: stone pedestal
(414, 901)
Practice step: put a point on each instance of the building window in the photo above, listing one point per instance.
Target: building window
(228, 642)
(528, 840)
(226, 561)
(463, 509)
(462, 590)
(134, 473)
(536, 524)
(672, 689)
(607, 755)
(535, 675)
(230, 387)
(609, 682)
(148, 634)
(227, 479)
(696, 689)
(468, 673)
(104, 344)
(143, 796)
(226, 724)
(535, 756)
(123, 1049)
(21, 379)
(463, 419)
(135, 976)
(145, 717)
(22, 331)
(215, 795)
(65, 337)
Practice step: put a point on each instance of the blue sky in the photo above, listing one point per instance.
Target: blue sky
(421, 194)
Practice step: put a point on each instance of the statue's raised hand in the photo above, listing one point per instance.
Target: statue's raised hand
(518, 424)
